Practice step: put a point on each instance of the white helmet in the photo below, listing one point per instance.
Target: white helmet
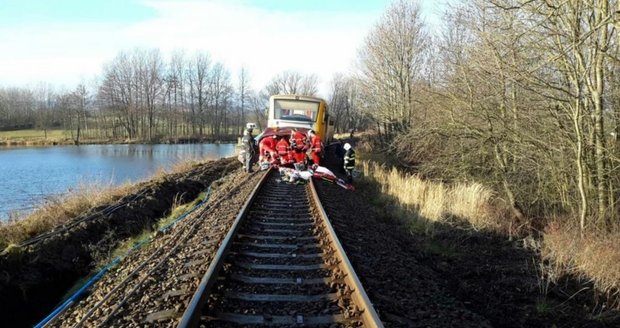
(347, 146)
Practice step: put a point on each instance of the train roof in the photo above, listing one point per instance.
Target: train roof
(296, 97)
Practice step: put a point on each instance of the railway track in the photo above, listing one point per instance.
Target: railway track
(280, 264)
(155, 279)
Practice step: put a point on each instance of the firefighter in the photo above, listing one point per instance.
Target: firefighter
(299, 156)
(249, 146)
(349, 161)
(283, 148)
(267, 149)
(340, 155)
(315, 147)
(298, 140)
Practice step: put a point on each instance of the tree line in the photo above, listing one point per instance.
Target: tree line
(141, 96)
(523, 95)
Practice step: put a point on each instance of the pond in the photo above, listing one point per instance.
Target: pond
(29, 175)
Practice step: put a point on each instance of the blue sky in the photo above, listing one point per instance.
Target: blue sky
(64, 42)
(23, 12)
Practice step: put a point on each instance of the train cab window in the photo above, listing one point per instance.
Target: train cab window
(296, 110)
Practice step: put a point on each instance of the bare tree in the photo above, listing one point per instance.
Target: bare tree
(198, 75)
(44, 105)
(220, 92)
(291, 82)
(150, 77)
(243, 93)
(343, 104)
(390, 63)
(78, 103)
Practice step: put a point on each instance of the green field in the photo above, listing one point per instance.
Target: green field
(34, 134)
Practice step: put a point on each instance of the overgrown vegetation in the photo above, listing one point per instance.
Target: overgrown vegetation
(593, 257)
(421, 203)
(58, 209)
(427, 202)
(521, 97)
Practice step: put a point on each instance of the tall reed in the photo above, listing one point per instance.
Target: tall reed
(435, 201)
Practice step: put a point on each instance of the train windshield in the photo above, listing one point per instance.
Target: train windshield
(296, 110)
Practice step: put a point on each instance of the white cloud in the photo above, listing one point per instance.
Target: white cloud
(62, 55)
(266, 42)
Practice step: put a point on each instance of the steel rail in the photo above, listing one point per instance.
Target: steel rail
(369, 315)
(175, 242)
(192, 315)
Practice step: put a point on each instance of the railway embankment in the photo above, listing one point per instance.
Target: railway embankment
(417, 273)
(37, 272)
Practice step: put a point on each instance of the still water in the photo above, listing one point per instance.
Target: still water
(29, 175)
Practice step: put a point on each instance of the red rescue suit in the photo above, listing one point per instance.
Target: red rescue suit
(282, 147)
(267, 149)
(315, 148)
(298, 139)
(299, 156)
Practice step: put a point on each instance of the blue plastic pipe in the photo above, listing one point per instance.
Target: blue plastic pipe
(77, 295)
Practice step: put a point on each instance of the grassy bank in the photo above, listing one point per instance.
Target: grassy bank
(592, 258)
(427, 202)
(82, 200)
(35, 134)
(59, 209)
(33, 137)
(64, 137)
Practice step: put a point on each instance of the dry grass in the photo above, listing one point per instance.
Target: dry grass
(62, 208)
(181, 166)
(593, 256)
(436, 201)
(59, 209)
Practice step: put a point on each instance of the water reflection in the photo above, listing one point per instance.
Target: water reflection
(28, 175)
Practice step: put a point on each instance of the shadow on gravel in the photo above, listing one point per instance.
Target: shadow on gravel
(34, 278)
(451, 276)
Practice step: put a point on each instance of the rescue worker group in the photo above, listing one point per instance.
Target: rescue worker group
(297, 156)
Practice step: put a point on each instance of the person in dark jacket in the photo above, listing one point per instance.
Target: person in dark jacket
(349, 161)
(339, 150)
(249, 146)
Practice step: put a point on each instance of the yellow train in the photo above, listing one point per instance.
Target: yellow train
(302, 112)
